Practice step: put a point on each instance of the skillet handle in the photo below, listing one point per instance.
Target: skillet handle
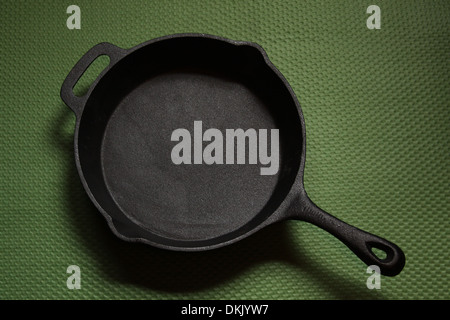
(70, 99)
(359, 241)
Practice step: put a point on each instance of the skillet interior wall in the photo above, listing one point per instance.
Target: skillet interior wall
(241, 65)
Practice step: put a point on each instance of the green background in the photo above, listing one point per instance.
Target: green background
(376, 106)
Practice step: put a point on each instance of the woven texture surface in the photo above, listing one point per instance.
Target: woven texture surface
(377, 112)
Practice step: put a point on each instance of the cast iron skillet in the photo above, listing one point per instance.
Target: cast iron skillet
(123, 146)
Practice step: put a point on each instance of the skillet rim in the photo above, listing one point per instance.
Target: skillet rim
(281, 213)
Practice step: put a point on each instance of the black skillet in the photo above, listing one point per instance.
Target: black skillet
(123, 146)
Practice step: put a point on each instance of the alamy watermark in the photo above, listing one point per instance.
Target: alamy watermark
(74, 280)
(190, 150)
(374, 280)
(74, 20)
(374, 20)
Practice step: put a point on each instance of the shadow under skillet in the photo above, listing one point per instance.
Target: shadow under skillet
(182, 272)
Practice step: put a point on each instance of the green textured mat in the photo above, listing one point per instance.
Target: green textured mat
(376, 105)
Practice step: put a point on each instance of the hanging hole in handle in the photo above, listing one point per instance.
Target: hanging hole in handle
(88, 77)
(381, 252)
